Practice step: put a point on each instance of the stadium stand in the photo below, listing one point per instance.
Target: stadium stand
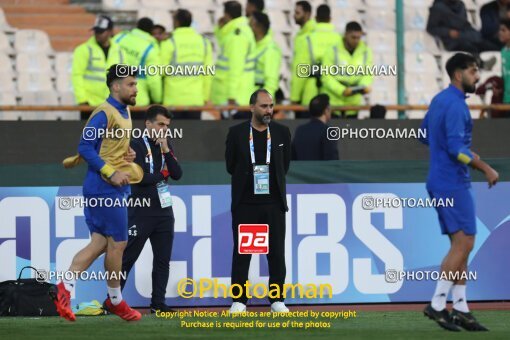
(37, 38)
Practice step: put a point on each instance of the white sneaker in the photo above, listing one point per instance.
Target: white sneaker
(279, 307)
(237, 307)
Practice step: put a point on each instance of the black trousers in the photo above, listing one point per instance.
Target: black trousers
(259, 214)
(160, 231)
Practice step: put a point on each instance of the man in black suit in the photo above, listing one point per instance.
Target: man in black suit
(311, 141)
(258, 156)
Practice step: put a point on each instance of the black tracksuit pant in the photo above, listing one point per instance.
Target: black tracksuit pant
(160, 231)
(272, 215)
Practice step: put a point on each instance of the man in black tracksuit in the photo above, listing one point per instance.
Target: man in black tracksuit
(155, 222)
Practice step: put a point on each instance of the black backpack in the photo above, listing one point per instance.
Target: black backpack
(27, 297)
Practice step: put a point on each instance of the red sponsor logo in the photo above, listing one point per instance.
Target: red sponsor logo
(253, 239)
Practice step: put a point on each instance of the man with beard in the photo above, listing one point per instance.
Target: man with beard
(110, 171)
(257, 156)
(448, 128)
(303, 18)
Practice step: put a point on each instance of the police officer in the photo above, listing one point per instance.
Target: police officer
(140, 48)
(186, 47)
(90, 62)
(156, 222)
(309, 51)
(345, 89)
(303, 18)
(267, 54)
(235, 67)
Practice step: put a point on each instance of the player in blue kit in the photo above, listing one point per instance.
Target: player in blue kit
(110, 171)
(448, 125)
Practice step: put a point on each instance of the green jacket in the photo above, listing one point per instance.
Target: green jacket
(309, 50)
(335, 85)
(268, 58)
(235, 67)
(89, 71)
(505, 70)
(186, 48)
(141, 49)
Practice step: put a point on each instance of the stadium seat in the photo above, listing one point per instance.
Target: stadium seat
(33, 63)
(383, 97)
(384, 84)
(470, 5)
(67, 98)
(419, 98)
(415, 114)
(415, 18)
(278, 4)
(281, 41)
(382, 42)
(497, 68)
(7, 98)
(159, 16)
(279, 21)
(121, 5)
(418, 3)
(160, 4)
(202, 22)
(340, 18)
(421, 83)
(30, 82)
(380, 19)
(420, 42)
(4, 25)
(39, 98)
(64, 83)
(7, 84)
(386, 4)
(5, 45)
(421, 63)
(201, 4)
(342, 4)
(385, 58)
(63, 62)
(6, 66)
(32, 41)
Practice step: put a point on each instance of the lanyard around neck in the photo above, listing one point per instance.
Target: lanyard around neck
(149, 154)
(252, 147)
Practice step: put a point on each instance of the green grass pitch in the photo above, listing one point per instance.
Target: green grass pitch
(371, 325)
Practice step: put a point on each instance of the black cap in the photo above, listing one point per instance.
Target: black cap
(102, 24)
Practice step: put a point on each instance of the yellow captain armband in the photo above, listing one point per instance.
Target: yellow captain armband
(462, 157)
(107, 171)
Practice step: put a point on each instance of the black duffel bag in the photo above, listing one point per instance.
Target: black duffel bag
(27, 297)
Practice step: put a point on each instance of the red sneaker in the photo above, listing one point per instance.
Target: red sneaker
(123, 310)
(62, 300)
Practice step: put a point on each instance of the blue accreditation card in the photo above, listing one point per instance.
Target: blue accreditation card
(164, 195)
(261, 179)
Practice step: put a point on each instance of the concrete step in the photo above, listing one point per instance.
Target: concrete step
(40, 9)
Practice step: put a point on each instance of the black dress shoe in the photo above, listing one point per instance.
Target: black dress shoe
(467, 321)
(441, 317)
(161, 308)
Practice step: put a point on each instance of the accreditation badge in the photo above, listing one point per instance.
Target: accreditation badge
(164, 195)
(261, 179)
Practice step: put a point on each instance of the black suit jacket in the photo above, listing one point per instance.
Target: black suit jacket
(238, 159)
(311, 143)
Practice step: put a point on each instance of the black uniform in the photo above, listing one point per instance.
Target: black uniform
(311, 142)
(153, 223)
(258, 209)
